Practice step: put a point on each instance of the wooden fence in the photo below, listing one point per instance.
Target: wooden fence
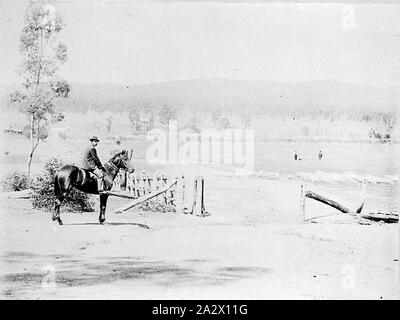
(142, 187)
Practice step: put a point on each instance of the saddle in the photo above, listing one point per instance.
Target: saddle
(87, 175)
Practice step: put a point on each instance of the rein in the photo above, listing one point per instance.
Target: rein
(112, 173)
(113, 165)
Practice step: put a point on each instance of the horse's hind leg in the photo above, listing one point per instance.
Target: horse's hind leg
(60, 193)
(56, 212)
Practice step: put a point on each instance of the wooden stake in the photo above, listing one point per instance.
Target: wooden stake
(180, 195)
(194, 195)
(183, 194)
(203, 209)
(302, 204)
(362, 198)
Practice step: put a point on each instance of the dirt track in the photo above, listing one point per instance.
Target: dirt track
(253, 248)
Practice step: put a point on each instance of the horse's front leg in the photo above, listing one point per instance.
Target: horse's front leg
(103, 205)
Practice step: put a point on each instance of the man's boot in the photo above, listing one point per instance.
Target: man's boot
(100, 185)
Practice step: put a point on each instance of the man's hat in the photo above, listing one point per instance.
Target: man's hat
(94, 138)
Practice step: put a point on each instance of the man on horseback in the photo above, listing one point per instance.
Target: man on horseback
(92, 163)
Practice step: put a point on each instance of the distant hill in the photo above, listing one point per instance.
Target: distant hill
(268, 96)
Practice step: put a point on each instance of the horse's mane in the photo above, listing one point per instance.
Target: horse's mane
(117, 154)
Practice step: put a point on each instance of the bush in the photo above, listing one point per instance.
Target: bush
(156, 206)
(43, 196)
(16, 181)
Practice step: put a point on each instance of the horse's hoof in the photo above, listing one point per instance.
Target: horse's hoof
(102, 222)
(102, 219)
(58, 220)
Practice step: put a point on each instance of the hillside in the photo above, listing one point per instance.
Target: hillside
(264, 96)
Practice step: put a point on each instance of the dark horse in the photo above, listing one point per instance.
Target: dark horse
(71, 176)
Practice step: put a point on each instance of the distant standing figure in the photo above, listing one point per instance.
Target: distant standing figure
(295, 155)
(320, 155)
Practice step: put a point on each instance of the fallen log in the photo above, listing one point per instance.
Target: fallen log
(329, 202)
(145, 198)
(336, 205)
(354, 212)
(380, 216)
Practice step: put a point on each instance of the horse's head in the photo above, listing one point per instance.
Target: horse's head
(122, 160)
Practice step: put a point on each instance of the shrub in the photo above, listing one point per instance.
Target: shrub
(43, 196)
(156, 206)
(16, 181)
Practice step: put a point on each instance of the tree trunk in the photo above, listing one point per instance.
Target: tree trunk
(29, 163)
(32, 146)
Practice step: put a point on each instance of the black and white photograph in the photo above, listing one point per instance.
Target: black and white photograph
(199, 150)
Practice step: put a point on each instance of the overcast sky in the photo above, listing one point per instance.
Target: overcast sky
(154, 41)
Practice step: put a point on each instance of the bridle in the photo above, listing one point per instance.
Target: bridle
(120, 161)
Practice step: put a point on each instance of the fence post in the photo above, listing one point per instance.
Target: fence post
(203, 208)
(199, 188)
(302, 204)
(194, 195)
(180, 194)
(361, 200)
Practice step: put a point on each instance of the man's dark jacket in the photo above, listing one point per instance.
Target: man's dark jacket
(90, 160)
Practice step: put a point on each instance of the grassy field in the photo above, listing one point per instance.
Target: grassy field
(375, 159)
(362, 158)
